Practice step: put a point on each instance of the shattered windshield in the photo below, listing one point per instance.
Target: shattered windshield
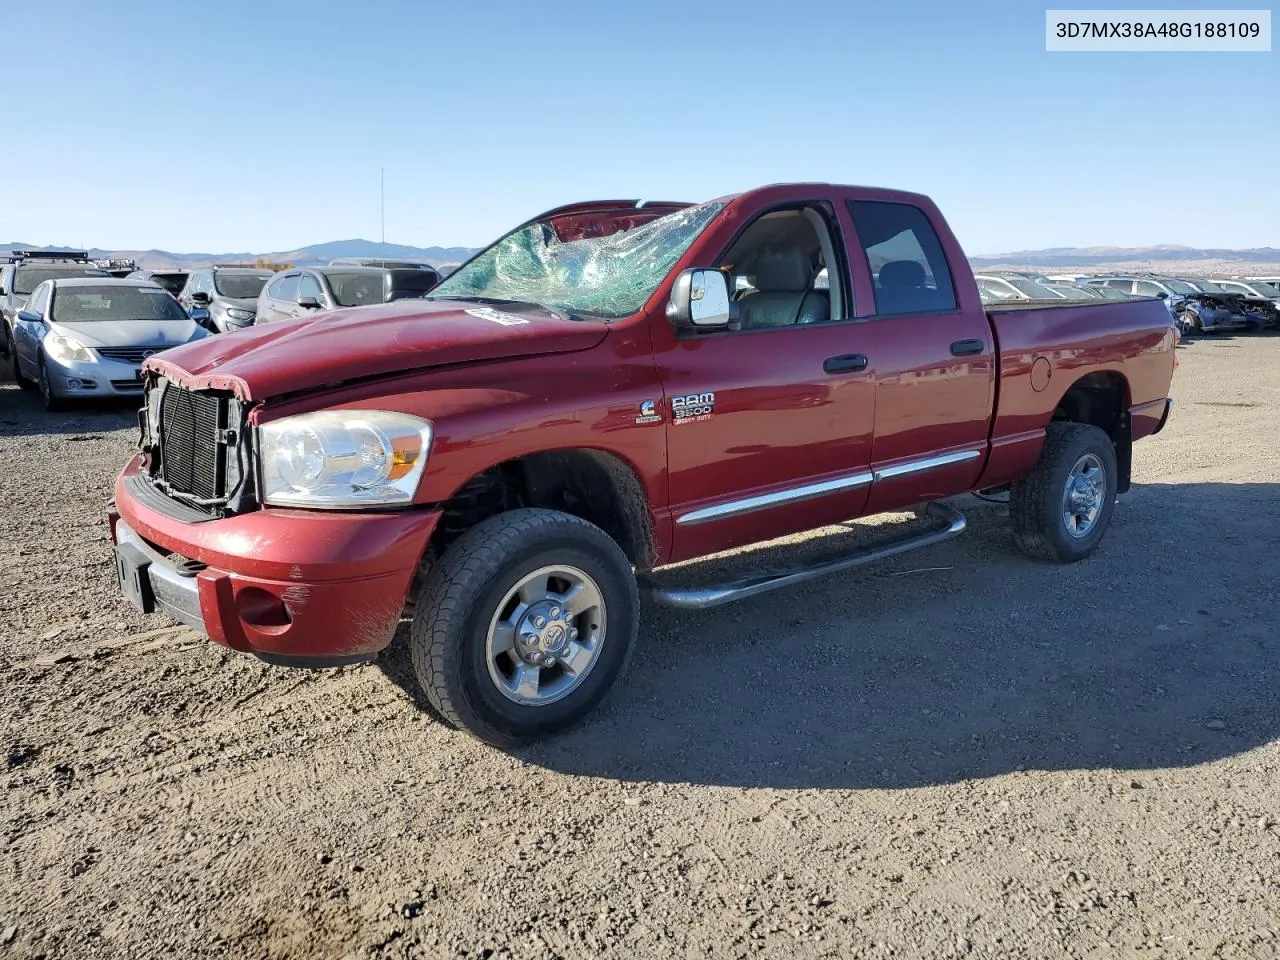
(604, 276)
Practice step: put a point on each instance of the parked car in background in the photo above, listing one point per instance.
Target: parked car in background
(1191, 310)
(427, 268)
(1259, 311)
(119, 267)
(509, 460)
(228, 294)
(171, 280)
(296, 293)
(86, 337)
(1253, 288)
(1013, 286)
(24, 270)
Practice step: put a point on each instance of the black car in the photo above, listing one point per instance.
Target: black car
(296, 293)
(228, 294)
(24, 270)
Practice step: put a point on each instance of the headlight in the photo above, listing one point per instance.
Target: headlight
(343, 458)
(66, 349)
(235, 313)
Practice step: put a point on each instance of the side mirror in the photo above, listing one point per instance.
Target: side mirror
(309, 303)
(201, 298)
(28, 317)
(200, 315)
(1162, 295)
(700, 300)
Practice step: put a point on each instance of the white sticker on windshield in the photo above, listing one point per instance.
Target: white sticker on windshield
(497, 316)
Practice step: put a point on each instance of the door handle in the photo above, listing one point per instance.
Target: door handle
(967, 348)
(847, 363)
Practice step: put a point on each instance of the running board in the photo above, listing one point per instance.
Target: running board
(703, 598)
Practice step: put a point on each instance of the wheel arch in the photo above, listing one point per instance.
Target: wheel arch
(596, 485)
(1102, 399)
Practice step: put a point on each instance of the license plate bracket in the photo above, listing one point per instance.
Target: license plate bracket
(133, 569)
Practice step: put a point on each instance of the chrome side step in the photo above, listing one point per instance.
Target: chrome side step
(703, 598)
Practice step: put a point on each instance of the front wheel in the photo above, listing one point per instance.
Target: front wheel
(52, 402)
(524, 625)
(1061, 511)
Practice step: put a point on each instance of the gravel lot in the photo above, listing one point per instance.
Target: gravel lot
(959, 752)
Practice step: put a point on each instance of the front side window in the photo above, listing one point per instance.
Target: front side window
(905, 257)
(308, 286)
(1146, 288)
(565, 267)
(285, 288)
(40, 302)
(778, 270)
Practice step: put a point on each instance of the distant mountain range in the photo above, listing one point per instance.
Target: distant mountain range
(1166, 257)
(1163, 258)
(317, 253)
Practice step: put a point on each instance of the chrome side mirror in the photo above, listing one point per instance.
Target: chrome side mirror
(700, 300)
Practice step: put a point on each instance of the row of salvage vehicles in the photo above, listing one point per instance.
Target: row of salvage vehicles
(1196, 305)
(79, 329)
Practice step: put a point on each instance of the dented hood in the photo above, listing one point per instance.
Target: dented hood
(330, 348)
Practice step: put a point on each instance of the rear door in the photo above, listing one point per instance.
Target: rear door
(931, 352)
(280, 299)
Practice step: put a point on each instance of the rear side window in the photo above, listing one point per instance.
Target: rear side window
(904, 256)
(1125, 285)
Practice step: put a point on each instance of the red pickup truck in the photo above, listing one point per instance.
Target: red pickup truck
(610, 388)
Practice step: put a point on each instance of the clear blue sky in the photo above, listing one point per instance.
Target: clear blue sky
(259, 127)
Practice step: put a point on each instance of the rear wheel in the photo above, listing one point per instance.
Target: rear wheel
(524, 624)
(1061, 511)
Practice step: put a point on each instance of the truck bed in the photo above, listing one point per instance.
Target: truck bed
(1014, 306)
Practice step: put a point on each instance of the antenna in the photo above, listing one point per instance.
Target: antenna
(382, 205)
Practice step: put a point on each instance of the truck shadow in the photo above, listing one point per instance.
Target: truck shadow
(967, 660)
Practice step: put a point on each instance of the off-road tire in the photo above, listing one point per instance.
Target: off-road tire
(1035, 502)
(461, 594)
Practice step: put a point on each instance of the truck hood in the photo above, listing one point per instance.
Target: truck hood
(329, 348)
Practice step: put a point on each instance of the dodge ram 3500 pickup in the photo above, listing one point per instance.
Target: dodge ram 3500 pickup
(611, 388)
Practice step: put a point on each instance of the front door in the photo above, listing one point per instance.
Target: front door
(769, 427)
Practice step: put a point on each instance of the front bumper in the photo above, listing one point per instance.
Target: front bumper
(98, 378)
(305, 587)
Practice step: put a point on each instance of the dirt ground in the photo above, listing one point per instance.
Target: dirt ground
(957, 753)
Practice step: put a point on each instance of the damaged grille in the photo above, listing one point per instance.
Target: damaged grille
(190, 427)
(195, 442)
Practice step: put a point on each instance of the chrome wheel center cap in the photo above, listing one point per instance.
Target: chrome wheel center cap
(553, 638)
(545, 631)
